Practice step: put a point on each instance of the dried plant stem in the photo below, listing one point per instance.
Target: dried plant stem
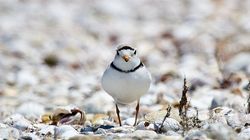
(248, 104)
(183, 107)
(183, 101)
(167, 115)
(248, 100)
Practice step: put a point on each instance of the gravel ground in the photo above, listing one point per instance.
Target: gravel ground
(53, 54)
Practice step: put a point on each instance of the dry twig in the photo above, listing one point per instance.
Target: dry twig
(248, 100)
(167, 115)
(183, 101)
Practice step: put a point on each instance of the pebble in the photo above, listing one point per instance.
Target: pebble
(106, 126)
(47, 129)
(129, 121)
(196, 135)
(238, 63)
(65, 131)
(9, 133)
(100, 131)
(123, 129)
(219, 131)
(18, 121)
(244, 134)
(87, 129)
(31, 110)
(170, 124)
(144, 134)
(86, 138)
(26, 78)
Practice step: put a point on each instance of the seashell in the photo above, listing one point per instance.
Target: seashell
(18, 121)
(65, 132)
(31, 110)
(47, 118)
(65, 115)
(218, 114)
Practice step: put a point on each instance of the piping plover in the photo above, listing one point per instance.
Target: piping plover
(126, 79)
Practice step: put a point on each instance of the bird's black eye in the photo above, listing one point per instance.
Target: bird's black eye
(117, 53)
(135, 52)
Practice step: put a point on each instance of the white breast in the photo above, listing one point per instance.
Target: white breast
(126, 87)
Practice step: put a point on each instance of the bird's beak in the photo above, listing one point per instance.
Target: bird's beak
(126, 58)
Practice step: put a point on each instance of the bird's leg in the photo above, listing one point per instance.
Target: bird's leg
(137, 111)
(118, 114)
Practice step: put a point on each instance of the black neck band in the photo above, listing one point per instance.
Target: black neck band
(126, 71)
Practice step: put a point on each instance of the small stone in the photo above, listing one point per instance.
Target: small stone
(18, 121)
(26, 138)
(31, 110)
(10, 91)
(129, 121)
(100, 131)
(196, 135)
(169, 124)
(219, 131)
(86, 138)
(47, 129)
(51, 60)
(87, 129)
(26, 78)
(164, 137)
(144, 134)
(65, 131)
(9, 133)
(141, 126)
(106, 126)
(123, 129)
(244, 134)
(29, 136)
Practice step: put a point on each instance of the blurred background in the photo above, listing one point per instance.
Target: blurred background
(54, 52)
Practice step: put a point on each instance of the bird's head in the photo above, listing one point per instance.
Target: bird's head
(126, 57)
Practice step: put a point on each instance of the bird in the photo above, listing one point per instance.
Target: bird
(126, 79)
